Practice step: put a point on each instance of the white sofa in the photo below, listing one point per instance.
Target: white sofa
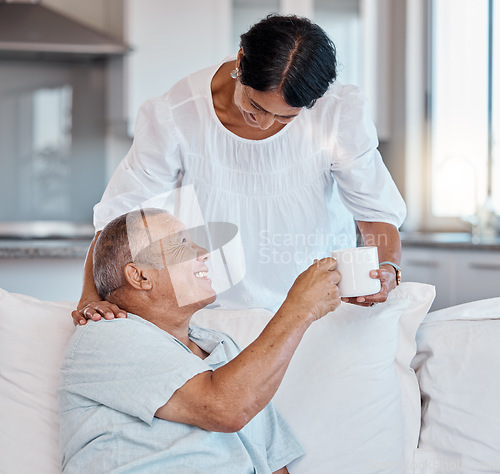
(370, 390)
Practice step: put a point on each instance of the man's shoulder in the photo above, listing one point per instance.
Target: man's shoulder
(107, 336)
(130, 324)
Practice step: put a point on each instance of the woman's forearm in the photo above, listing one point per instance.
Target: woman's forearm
(89, 290)
(91, 305)
(383, 236)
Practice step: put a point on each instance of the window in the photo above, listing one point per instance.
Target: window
(464, 107)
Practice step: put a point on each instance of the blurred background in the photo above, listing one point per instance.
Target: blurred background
(73, 77)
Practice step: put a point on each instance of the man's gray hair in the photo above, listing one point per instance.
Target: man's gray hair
(112, 250)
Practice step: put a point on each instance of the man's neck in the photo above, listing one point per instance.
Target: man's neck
(173, 320)
(167, 316)
(180, 332)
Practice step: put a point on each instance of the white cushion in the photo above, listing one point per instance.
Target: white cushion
(458, 367)
(349, 392)
(33, 336)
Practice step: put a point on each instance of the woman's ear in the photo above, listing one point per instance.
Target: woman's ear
(239, 57)
(137, 277)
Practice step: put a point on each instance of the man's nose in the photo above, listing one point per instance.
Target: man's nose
(202, 253)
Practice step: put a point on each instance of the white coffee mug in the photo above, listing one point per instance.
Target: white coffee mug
(354, 266)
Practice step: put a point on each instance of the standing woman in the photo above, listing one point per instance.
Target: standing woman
(272, 143)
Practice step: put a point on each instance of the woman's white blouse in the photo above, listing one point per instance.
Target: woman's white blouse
(293, 196)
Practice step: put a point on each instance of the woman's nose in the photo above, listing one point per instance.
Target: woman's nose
(265, 120)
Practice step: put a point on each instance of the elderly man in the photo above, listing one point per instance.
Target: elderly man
(150, 393)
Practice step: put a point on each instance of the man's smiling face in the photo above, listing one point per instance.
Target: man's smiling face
(180, 262)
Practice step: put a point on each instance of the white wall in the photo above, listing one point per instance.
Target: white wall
(171, 39)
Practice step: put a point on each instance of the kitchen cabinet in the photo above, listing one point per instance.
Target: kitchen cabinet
(432, 266)
(459, 275)
(48, 269)
(477, 275)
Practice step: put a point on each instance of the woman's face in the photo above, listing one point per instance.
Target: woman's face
(262, 109)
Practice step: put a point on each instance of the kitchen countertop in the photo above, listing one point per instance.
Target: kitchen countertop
(77, 248)
(44, 248)
(449, 240)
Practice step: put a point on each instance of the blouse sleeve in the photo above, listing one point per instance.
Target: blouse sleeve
(150, 169)
(365, 185)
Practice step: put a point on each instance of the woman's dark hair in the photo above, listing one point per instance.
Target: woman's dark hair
(289, 54)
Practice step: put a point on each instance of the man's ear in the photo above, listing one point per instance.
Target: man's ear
(137, 277)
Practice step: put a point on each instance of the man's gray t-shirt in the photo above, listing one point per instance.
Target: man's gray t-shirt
(116, 374)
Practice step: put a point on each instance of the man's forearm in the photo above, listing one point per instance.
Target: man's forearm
(228, 398)
(259, 369)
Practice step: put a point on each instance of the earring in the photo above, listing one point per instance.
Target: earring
(235, 73)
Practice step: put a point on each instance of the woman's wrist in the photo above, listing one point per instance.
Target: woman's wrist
(395, 268)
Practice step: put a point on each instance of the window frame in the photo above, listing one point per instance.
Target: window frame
(428, 221)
